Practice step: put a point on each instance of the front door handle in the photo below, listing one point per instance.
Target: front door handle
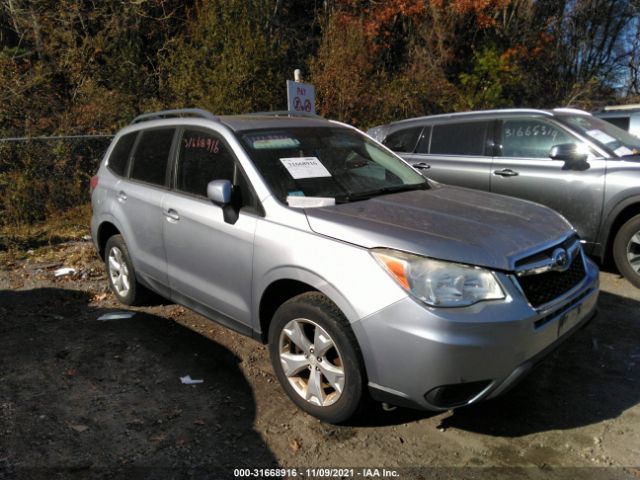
(172, 215)
(421, 166)
(122, 197)
(506, 172)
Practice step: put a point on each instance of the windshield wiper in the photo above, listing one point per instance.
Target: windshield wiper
(356, 196)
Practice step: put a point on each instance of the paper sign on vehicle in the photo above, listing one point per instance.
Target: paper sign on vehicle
(305, 167)
(622, 151)
(310, 202)
(600, 136)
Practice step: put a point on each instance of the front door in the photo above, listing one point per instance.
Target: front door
(209, 260)
(523, 169)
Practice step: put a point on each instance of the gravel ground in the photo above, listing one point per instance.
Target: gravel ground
(82, 398)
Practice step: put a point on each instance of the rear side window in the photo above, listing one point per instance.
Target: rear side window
(403, 140)
(152, 155)
(459, 139)
(120, 155)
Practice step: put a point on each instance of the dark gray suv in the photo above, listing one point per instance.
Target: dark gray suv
(581, 166)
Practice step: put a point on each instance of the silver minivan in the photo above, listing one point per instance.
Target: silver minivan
(363, 277)
(586, 169)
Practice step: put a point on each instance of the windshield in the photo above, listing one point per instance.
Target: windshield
(612, 138)
(330, 162)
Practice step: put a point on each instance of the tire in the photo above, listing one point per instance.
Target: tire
(626, 250)
(121, 274)
(314, 336)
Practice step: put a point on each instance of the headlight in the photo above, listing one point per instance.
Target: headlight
(438, 283)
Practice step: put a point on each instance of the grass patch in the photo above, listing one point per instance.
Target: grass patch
(65, 226)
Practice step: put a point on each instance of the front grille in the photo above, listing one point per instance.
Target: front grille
(545, 287)
(545, 254)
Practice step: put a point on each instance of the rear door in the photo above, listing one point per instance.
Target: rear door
(457, 153)
(523, 169)
(210, 260)
(141, 199)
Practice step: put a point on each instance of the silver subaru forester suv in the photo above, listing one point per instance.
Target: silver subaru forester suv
(363, 277)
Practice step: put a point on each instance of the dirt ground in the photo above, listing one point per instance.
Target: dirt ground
(83, 398)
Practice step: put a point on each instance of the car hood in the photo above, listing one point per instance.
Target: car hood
(448, 223)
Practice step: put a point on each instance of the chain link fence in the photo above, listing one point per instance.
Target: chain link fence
(40, 176)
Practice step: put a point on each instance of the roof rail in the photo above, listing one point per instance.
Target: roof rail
(476, 112)
(284, 113)
(180, 112)
(571, 110)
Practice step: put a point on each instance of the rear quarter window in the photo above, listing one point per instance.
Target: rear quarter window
(120, 154)
(403, 140)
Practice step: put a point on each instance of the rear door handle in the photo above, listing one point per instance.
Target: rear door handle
(506, 172)
(172, 215)
(421, 166)
(122, 197)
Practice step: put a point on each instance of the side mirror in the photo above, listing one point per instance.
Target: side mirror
(219, 191)
(568, 152)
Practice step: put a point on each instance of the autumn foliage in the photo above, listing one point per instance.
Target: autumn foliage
(86, 67)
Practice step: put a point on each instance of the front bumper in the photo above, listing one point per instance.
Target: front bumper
(442, 358)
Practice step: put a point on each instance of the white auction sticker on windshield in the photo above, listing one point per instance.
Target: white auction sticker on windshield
(600, 136)
(622, 151)
(305, 167)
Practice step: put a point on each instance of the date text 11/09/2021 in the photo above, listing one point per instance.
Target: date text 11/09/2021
(316, 472)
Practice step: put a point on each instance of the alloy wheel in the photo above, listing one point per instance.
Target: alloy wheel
(118, 272)
(311, 362)
(633, 252)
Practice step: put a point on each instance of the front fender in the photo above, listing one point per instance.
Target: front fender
(307, 277)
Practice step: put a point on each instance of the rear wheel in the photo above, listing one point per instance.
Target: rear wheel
(626, 250)
(316, 358)
(121, 274)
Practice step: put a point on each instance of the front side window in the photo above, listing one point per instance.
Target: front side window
(467, 138)
(531, 138)
(152, 156)
(120, 154)
(329, 162)
(203, 157)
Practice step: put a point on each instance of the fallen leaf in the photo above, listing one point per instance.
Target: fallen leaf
(99, 297)
(79, 428)
(158, 438)
(294, 445)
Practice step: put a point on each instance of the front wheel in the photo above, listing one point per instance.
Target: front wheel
(316, 358)
(626, 250)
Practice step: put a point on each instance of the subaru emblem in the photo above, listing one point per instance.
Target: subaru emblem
(559, 260)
